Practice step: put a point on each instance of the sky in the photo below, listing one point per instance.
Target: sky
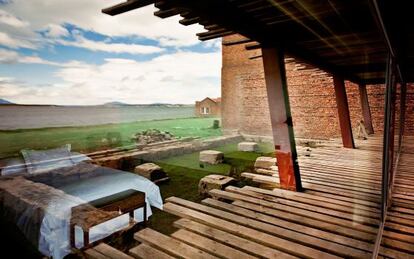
(69, 53)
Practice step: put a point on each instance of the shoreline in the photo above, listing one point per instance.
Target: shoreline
(100, 105)
(98, 125)
(21, 118)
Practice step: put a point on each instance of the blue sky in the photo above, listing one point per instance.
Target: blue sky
(68, 52)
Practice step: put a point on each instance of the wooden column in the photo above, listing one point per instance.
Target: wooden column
(366, 111)
(343, 112)
(281, 119)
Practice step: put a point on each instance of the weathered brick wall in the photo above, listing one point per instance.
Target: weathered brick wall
(409, 122)
(245, 107)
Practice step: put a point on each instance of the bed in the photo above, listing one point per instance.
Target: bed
(39, 202)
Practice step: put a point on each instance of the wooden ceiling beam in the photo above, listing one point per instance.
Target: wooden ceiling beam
(126, 6)
(215, 36)
(222, 18)
(168, 13)
(253, 46)
(236, 42)
(189, 21)
(212, 32)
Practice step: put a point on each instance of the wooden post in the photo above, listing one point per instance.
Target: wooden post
(281, 119)
(343, 112)
(366, 111)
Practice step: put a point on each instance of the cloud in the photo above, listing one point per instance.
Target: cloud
(11, 42)
(56, 31)
(10, 87)
(42, 25)
(87, 15)
(38, 60)
(11, 57)
(8, 57)
(11, 20)
(82, 42)
(182, 77)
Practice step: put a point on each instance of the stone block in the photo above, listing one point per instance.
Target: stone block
(151, 171)
(211, 157)
(213, 181)
(248, 146)
(265, 162)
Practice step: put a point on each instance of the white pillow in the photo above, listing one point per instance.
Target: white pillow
(40, 161)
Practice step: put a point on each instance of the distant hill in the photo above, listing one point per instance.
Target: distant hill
(119, 104)
(111, 104)
(2, 101)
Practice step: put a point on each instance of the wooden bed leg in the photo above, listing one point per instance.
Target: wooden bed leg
(145, 214)
(131, 217)
(72, 235)
(85, 238)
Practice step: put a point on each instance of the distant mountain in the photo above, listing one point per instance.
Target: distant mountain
(2, 101)
(118, 104)
(111, 104)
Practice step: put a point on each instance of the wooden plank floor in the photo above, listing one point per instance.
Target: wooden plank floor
(399, 227)
(337, 215)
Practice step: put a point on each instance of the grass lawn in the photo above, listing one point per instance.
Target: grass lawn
(89, 138)
(185, 173)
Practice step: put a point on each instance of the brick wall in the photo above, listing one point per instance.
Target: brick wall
(312, 98)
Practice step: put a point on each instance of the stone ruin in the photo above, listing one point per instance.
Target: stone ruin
(211, 157)
(214, 181)
(152, 172)
(152, 136)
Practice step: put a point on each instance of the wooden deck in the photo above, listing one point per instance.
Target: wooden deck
(399, 227)
(337, 215)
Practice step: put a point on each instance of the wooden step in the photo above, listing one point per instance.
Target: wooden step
(311, 231)
(285, 238)
(104, 251)
(144, 251)
(170, 245)
(319, 201)
(209, 245)
(317, 186)
(343, 198)
(294, 210)
(236, 241)
(286, 248)
(313, 208)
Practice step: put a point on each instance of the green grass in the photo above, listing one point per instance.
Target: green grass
(89, 138)
(185, 173)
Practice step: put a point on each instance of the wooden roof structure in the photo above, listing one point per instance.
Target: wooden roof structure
(351, 38)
